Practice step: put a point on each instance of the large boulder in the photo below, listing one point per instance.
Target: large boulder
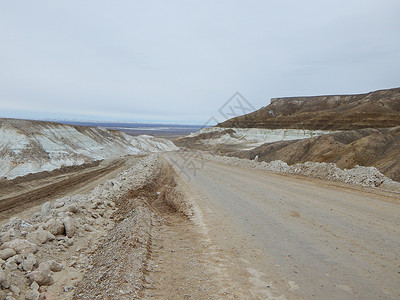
(29, 262)
(54, 266)
(40, 236)
(55, 226)
(42, 275)
(15, 290)
(7, 253)
(72, 208)
(32, 295)
(6, 237)
(59, 203)
(46, 209)
(71, 226)
(4, 280)
(21, 246)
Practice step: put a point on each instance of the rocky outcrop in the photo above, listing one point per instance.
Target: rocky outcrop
(379, 109)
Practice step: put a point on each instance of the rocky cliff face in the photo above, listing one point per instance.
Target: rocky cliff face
(34, 146)
(379, 109)
(243, 138)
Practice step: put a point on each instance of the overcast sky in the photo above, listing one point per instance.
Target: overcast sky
(180, 61)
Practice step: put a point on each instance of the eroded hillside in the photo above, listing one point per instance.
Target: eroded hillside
(34, 146)
(364, 147)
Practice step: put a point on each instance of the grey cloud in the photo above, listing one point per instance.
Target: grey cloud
(179, 61)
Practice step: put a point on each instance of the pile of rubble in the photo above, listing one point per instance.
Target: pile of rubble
(47, 254)
(364, 176)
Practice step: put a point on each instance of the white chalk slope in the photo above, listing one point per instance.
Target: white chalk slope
(33, 146)
(253, 137)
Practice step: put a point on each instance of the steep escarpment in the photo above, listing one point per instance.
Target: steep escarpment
(34, 146)
(379, 109)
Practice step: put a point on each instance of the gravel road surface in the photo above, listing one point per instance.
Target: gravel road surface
(290, 237)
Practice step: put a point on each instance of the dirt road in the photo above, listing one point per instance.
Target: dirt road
(278, 236)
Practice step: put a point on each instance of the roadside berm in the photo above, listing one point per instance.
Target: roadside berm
(92, 246)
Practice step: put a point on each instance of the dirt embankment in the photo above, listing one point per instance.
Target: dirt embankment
(366, 147)
(379, 109)
(121, 267)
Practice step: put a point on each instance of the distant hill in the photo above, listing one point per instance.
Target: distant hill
(169, 131)
(379, 109)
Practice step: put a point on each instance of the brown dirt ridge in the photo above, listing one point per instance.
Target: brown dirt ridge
(378, 109)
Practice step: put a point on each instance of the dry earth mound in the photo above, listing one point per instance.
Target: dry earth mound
(379, 109)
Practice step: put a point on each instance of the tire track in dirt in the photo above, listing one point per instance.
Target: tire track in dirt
(28, 198)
